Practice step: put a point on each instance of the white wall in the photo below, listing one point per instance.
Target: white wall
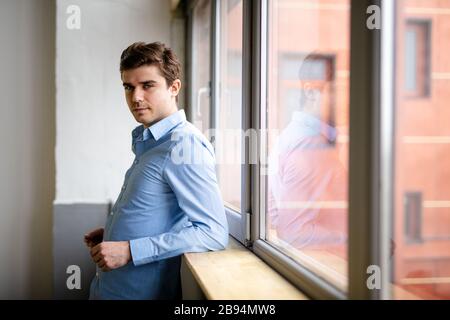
(84, 115)
(93, 144)
(27, 130)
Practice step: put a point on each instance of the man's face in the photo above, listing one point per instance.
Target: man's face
(148, 96)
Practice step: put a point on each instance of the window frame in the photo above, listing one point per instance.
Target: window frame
(238, 222)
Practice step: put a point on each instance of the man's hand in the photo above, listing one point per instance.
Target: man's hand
(111, 255)
(94, 237)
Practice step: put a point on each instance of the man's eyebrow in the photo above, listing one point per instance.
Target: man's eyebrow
(142, 82)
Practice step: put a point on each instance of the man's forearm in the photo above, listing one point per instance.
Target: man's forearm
(171, 244)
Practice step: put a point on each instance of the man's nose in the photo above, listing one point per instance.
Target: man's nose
(138, 95)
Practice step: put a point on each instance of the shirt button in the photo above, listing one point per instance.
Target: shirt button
(123, 187)
(136, 161)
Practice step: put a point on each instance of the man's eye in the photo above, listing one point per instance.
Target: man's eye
(127, 88)
(146, 86)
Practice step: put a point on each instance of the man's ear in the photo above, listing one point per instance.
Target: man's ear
(307, 89)
(175, 87)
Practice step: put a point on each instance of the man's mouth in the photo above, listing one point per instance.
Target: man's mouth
(139, 109)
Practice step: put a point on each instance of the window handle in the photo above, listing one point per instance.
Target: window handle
(200, 92)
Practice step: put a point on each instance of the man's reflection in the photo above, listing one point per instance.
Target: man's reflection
(307, 181)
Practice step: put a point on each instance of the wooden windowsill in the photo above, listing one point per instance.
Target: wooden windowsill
(238, 274)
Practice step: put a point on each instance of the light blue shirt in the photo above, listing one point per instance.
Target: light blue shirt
(169, 204)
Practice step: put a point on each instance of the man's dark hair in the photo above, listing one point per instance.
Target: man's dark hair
(308, 71)
(156, 53)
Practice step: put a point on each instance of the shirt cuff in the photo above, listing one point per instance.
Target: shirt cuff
(142, 251)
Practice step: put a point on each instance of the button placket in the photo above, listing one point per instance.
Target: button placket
(124, 187)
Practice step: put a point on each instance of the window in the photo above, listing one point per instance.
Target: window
(413, 217)
(421, 205)
(353, 169)
(417, 58)
(215, 45)
(307, 121)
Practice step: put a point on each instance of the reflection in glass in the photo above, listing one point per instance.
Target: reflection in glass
(307, 120)
(421, 218)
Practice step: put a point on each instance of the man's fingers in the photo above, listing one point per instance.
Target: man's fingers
(102, 265)
(95, 250)
(97, 259)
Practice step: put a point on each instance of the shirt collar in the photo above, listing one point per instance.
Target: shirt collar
(314, 124)
(160, 128)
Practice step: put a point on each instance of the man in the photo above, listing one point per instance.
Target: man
(166, 206)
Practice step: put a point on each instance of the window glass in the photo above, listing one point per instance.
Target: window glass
(307, 122)
(201, 65)
(228, 133)
(421, 219)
